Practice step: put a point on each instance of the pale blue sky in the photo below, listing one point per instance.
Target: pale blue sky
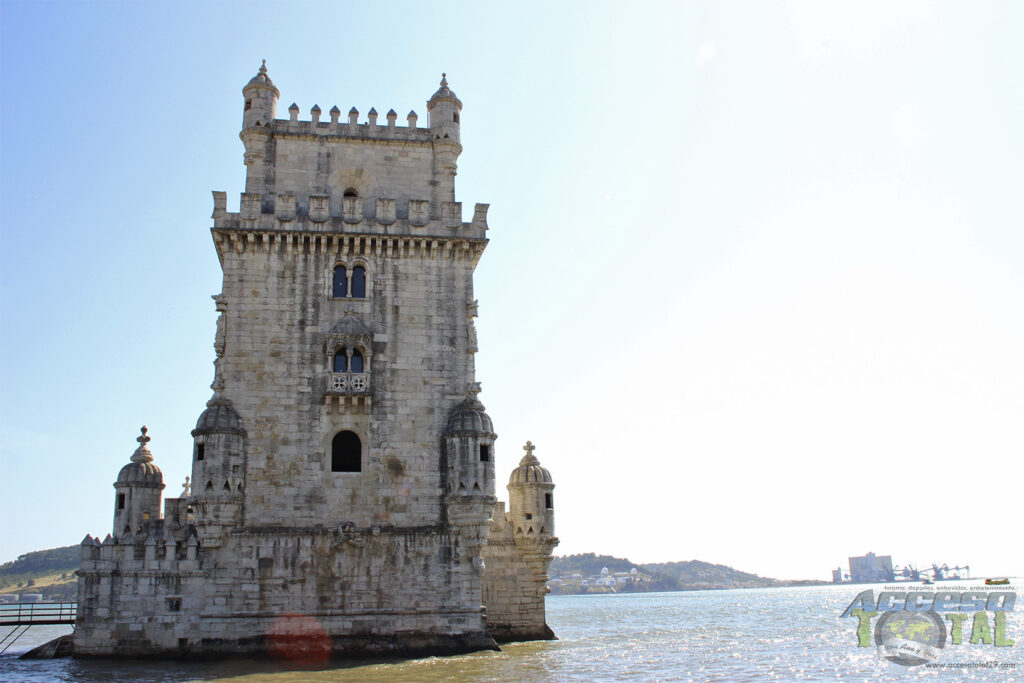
(754, 285)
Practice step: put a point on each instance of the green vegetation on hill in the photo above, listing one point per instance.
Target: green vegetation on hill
(697, 574)
(50, 572)
(663, 576)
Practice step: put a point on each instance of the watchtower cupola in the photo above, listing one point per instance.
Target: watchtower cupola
(445, 109)
(260, 108)
(138, 489)
(260, 100)
(469, 448)
(218, 469)
(531, 498)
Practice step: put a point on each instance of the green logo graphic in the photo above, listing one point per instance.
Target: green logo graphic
(912, 627)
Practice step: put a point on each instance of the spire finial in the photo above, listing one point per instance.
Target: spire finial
(529, 458)
(142, 453)
(263, 68)
(186, 489)
(444, 80)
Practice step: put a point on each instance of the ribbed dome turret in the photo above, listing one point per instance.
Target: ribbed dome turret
(261, 80)
(219, 417)
(443, 93)
(529, 470)
(469, 416)
(141, 469)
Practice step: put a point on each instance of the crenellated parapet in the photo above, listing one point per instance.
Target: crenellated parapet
(319, 213)
(161, 550)
(369, 129)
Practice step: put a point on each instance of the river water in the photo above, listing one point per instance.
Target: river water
(777, 634)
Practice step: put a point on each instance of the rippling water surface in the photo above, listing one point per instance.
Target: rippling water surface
(783, 634)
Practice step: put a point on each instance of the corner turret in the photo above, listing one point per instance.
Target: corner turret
(469, 449)
(531, 498)
(218, 470)
(260, 100)
(138, 489)
(444, 110)
(260, 108)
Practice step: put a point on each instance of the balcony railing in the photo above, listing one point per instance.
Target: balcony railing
(348, 383)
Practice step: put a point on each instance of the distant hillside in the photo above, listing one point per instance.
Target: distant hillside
(663, 576)
(50, 572)
(697, 574)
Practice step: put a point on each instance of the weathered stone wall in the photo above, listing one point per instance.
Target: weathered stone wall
(515, 581)
(276, 367)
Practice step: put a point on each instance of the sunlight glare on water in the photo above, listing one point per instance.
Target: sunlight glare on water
(783, 634)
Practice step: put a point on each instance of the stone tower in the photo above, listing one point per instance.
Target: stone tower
(343, 471)
(518, 553)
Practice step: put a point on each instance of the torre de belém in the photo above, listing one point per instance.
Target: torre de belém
(343, 471)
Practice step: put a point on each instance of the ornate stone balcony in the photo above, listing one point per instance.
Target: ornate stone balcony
(348, 383)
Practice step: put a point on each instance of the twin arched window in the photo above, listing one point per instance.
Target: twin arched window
(341, 285)
(345, 363)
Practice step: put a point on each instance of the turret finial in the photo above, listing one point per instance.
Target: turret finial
(444, 80)
(263, 68)
(142, 453)
(186, 490)
(529, 459)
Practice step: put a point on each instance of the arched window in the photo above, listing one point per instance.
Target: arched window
(351, 192)
(340, 361)
(340, 287)
(346, 452)
(358, 282)
(356, 363)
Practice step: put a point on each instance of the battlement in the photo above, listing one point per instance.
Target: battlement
(351, 128)
(318, 213)
(155, 553)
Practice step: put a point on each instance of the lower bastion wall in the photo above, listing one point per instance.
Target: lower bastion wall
(364, 592)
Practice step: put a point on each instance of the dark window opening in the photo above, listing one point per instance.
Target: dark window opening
(227, 486)
(340, 286)
(455, 117)
(351, 192)
(173, 604)
(340, 361)
(209, 486)
(358, 282)
(120, 501)
(529, 515)
(485, 453)
(266, 563)
(248, 105)
(346, 452)
(356, 362)
(201, 451)
(549, 501)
